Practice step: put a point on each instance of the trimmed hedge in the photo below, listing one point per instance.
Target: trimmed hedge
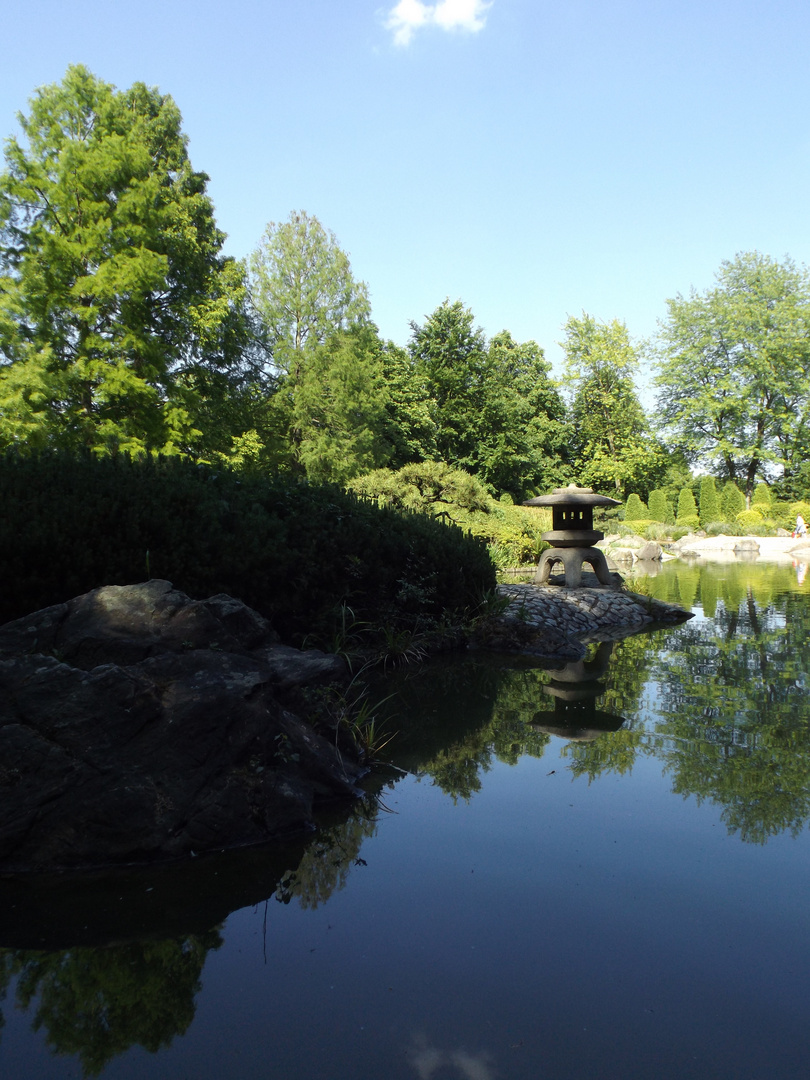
(293, 551)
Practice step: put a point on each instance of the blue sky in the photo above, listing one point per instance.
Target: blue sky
(531, 159)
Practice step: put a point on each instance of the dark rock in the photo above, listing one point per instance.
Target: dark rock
(137, 724)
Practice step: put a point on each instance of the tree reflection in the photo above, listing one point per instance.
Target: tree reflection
(734, 708)
(96, 1003)
(721, 702)
(325, 865)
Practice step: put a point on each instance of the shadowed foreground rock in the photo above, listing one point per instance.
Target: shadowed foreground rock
(137, 724)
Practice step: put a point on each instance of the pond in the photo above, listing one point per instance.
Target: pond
(601, 872)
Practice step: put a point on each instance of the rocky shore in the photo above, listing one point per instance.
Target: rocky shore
(557, 623)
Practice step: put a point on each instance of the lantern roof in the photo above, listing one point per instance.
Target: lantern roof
(572, 496)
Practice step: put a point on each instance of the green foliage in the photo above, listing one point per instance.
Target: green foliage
(659, 507)
(732, 501)
(762, 496)
(511, 532)
(735, 368)
(709, 503)
(303, 288)
(657, 531)
(294, 551)
(635, 509)
(118, 315)
(337, 409)
(750, 519)
(687, 508)
(97, 1003)
(497, 413)
(612, 441)
(723, 528)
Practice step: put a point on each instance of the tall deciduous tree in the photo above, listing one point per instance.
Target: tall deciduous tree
(116, 306)
(304, 289)
(498, 414)
(613, 441)
(339, 408)
(315, 314)
(735, 369)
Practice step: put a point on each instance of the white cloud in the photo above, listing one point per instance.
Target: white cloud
(409, 15)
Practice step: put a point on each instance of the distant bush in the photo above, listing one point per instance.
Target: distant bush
(750, 519)
(709, 502)
(687, 509)
(732, 501)
(294, 551)
(512, 533)
(723, 528)
(660, 508)
(762, 496)
(657, 530)
(635, 509)
(633, 528)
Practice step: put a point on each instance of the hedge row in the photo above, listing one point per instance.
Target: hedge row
(293, 551)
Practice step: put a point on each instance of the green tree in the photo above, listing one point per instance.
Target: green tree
(613, 442)
(339, 408)
(735, 369)
(635, 510)
(524, 430)
(732, 501)
(118, 314)
(304, 289)
(313, 311)
(709, 502)
(409, 427)
(687, 507)
(659, 507)
(498, 414)
(762, 497)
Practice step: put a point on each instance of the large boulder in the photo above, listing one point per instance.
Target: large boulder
(137, 724)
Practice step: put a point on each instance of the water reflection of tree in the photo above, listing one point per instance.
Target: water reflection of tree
(735, 715)
(325, 865)
(96, 1003)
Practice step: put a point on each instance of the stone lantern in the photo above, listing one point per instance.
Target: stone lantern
(573, 535)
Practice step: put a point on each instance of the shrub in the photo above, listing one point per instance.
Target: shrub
(750, 519)
(634, 528)
(512, 533)
(689, 521)
(723, 528)
(732, 501)
(660, 509)
(709, 502)
(294, 551)
(657, 530)
(762, 496)
(687, 508)
(635, 509)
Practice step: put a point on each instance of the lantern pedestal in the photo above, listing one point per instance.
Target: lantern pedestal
(572, 559)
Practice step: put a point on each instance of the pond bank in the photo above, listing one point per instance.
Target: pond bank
(557, 622)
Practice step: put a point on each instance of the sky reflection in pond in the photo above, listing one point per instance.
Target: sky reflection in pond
(630, 904)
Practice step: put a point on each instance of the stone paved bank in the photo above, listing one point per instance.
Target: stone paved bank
(553, 620)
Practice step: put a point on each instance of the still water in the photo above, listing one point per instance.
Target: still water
(597, 872)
